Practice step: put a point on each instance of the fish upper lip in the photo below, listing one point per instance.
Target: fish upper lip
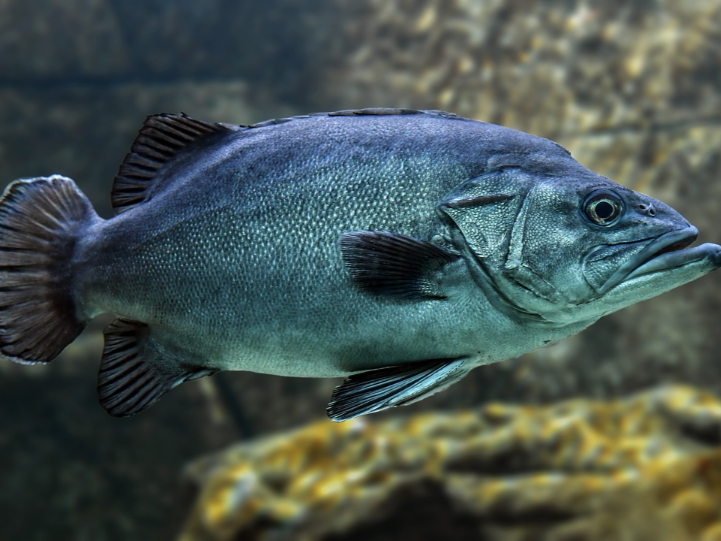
(673, 241)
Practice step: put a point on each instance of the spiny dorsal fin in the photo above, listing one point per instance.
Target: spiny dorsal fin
(376, 111)
(135, 371)
(157, 144)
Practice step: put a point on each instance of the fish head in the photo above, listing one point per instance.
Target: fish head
(565, 245)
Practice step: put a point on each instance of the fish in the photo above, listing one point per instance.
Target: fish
(395, 248)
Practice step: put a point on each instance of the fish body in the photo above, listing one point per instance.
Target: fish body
(399, 248)
(242, 257)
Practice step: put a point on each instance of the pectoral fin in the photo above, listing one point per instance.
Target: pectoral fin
(136, 370)
(376, 390)
(394, 265)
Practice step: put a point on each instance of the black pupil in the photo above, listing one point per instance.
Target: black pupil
(604, 210)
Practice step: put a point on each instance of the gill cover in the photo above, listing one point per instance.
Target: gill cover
(491, 214)
(484, 209)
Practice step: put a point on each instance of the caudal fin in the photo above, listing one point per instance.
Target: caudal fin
(41, 220)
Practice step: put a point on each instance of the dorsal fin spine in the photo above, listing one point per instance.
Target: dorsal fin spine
(175, 132)
(153, 145)
(143, 162)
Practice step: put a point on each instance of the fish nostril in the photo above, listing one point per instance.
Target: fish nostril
(647, 209)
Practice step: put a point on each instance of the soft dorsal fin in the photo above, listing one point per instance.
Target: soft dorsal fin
(157, 144)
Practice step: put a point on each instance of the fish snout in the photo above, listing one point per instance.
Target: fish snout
(659, 213)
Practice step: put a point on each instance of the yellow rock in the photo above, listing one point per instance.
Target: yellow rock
(645, 467)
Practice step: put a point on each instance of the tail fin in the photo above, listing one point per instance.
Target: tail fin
(40, 222)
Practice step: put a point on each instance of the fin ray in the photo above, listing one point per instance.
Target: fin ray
(135, 373)
(160, 139)
(384, 388)
(41, 220)
(394, 265)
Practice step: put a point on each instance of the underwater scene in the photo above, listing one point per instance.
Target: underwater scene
(399, 228)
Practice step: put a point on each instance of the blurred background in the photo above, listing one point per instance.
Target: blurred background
(632, 89)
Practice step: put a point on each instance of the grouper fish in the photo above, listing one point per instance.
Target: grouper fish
(397, 248)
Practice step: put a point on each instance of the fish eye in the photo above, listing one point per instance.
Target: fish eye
(603, 207)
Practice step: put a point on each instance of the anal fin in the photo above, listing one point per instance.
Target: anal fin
(136, 371)
(384, 388)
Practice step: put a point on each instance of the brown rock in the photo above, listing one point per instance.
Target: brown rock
(642, 468)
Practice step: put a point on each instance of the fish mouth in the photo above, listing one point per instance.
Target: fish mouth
(665, 252)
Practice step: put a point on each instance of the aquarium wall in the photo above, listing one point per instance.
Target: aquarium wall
(631, 89)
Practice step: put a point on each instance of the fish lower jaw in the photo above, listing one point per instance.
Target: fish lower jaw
(672, 242)
(673, 269)
(678, 259)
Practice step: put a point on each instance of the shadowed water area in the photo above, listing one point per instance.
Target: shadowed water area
(631, 89)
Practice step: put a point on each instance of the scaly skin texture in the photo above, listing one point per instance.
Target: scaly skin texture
(234, 261)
